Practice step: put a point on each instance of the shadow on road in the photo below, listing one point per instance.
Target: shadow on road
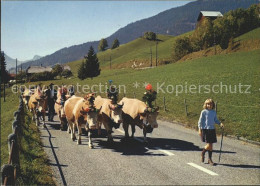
(56, 159)
(129, 147)
(241, 166)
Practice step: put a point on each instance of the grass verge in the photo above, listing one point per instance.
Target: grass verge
(33, 160)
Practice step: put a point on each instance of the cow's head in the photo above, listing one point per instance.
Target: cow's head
(90, 111)
(149, 117)
(116, 114)
(91, 114)
(41, 103)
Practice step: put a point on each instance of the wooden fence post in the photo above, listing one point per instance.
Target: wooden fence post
(13, 153)
(164, 104)
(186, 107)
(7, 175)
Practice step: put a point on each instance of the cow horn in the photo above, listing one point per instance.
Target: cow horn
(98, 110)
(112, 107)
(120, 106)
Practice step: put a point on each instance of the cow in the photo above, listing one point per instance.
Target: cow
(80, 112)
(59, 108)
(26, 96)
(37, 105)
(110, 115)
(136, 112)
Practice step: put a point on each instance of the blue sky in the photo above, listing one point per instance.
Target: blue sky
(42, 27)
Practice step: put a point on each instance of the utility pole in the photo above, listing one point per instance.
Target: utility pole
(156, 53)
(16, 74)
(110, 62)
(151, 57)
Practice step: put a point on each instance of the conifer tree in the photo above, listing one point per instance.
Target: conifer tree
(4, 73)
(81, 71)
(92, 64)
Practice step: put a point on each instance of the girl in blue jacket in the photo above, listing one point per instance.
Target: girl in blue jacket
(206, 125)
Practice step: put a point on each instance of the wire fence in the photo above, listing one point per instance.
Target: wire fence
(10, 171)
(189, 107)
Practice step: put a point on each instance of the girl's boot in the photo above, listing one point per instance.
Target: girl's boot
(203, 155)
(210, 159)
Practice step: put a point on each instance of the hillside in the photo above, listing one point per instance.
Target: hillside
(174, 21)
(138, 51)
(231, 79)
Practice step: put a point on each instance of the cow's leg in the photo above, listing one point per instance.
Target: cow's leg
(63, 123)
(33, 114)
(79, 133)
(109, 132)
(71, 128)
(37, 118)
(145, 132)
(133, 130)
(99, 128)
(43, 119)
(125, 126)
(90, 144)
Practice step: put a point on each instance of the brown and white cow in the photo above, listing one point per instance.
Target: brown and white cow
(26, 96)
(59, 109)
(136, 112)
(80, 112)
(110, 115)
(37, 105)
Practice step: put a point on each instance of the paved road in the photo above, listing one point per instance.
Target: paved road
(171, 158)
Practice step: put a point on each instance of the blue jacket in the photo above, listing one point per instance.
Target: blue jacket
(207, 120)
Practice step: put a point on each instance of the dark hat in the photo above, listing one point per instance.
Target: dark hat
(51, 84)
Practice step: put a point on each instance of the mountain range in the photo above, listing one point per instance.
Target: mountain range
(174, 21)
(11, 63)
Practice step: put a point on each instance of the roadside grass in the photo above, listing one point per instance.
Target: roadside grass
(33, 160)
(7, 117)
(225, 78)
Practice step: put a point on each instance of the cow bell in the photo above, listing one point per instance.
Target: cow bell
(149, 129)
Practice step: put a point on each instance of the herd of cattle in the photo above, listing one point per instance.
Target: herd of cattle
(91, 111)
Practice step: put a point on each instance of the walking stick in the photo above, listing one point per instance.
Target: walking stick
(222, 131)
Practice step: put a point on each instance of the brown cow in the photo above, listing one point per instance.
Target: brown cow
(59, 108)
(110, 115)
(136, 112)
(80, 112)
(37, 105)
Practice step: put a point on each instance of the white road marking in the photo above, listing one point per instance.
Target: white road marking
(157, 148)
(165, 151)
(203, 169)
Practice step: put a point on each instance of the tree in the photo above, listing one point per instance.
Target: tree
(182, 48)
(150, 36)
(4, 73)
(89, 68)
(92, 64)
(66, 73)
(102, 45)
(115, 44)
(57, 70)
(81, 71)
